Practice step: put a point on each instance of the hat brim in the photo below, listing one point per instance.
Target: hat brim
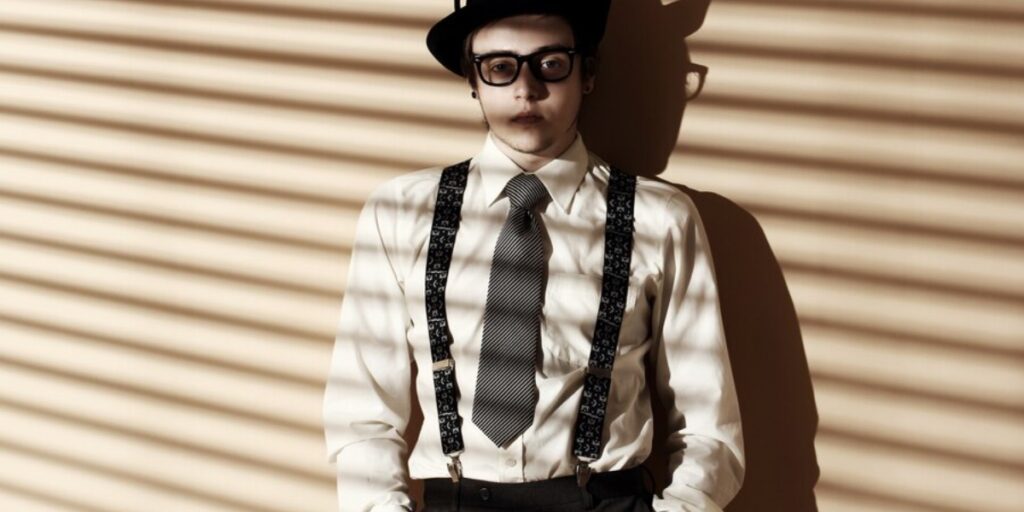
(446, 37)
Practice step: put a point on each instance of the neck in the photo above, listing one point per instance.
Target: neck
(530, 162)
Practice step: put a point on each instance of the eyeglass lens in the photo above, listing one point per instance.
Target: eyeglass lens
(550, 66)
(695, 77)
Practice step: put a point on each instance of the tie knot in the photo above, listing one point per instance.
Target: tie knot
(525, 191)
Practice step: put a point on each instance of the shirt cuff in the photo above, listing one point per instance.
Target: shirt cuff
(694, 501)
(391, 508)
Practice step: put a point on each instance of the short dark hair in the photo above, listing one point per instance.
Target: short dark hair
(587, 53)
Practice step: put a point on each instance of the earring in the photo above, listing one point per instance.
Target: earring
(473, 94)
(588, 90)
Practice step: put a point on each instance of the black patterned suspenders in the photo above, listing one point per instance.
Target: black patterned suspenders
(618, 249)
(439, 258)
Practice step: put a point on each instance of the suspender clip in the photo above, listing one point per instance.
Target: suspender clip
(455, 469)
(582, 473)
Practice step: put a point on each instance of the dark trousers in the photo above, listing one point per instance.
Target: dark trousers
(615, 491)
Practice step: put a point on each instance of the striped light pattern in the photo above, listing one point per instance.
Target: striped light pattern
(180, 179)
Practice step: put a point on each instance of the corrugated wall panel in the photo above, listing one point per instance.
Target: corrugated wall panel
(179, 182)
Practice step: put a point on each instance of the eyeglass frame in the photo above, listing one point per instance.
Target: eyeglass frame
(520, 59)
(702, 74)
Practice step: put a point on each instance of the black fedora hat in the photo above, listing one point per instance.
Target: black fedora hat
(446, 37)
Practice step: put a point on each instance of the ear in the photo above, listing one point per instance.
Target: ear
(589, 74)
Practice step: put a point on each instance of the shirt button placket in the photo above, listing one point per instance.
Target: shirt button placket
(508, 462)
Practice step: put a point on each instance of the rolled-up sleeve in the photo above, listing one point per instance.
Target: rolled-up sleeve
(367, 398)
(694, 376)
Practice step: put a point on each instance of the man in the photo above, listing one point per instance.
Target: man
(515, 290)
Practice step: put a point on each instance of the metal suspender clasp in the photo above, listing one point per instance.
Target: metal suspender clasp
(443, 364)
(582, 473)
(455, 468)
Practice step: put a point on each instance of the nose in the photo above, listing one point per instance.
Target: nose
(527, 85)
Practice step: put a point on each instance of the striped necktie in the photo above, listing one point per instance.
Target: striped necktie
(506, 391)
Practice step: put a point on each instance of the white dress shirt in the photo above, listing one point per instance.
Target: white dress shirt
(672, 312)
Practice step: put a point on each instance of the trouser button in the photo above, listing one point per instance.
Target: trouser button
(485, 494)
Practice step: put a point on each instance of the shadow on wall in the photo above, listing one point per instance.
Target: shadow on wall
(769, 366)
(632, 120)
(641, 83)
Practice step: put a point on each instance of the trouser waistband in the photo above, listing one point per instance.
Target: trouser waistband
(563, 491)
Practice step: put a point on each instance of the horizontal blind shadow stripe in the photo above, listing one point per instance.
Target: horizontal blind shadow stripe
(178, 222)
(136, 347)
(824, 164)
(888, 225)
(884, 116)
(186, 312)
(428, 69)
(184, 220)
(283, 10)
(827, 485)
(867, 332)
(317, 337)
(168, 176)
(854, 275)
(754, 205)
(958, 12)
(179, 133)
(54, 498)
(410, 162)
(927, 395)
(133, 477)
(134, 434)
(860, 58)
(53, 286)
(913, 446)
(299, 428)
(961, 290)
(177, 265)
(887, 116)
(441, 118)
(425, 70)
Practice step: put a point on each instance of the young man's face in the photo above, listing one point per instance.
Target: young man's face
(554, 105)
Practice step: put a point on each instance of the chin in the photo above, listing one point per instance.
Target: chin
(527, 142)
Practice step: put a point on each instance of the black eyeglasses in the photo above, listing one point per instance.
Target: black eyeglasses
(502, 68)
(695, 77)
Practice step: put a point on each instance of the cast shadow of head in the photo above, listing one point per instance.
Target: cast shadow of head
(632, 120)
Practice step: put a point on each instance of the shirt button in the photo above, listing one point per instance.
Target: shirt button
(485, 494)
(510, 463)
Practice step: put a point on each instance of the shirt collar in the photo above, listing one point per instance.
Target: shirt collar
(561, 176)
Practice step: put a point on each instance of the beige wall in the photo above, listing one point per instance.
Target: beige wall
(179, 182)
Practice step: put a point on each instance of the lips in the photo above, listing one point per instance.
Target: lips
(527, 118)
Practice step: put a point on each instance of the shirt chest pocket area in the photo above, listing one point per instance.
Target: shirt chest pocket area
(570, 316)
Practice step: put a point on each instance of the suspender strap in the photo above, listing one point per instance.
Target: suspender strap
(439, 258)
(618, 249)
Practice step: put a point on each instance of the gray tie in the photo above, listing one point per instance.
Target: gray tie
(506, 391)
